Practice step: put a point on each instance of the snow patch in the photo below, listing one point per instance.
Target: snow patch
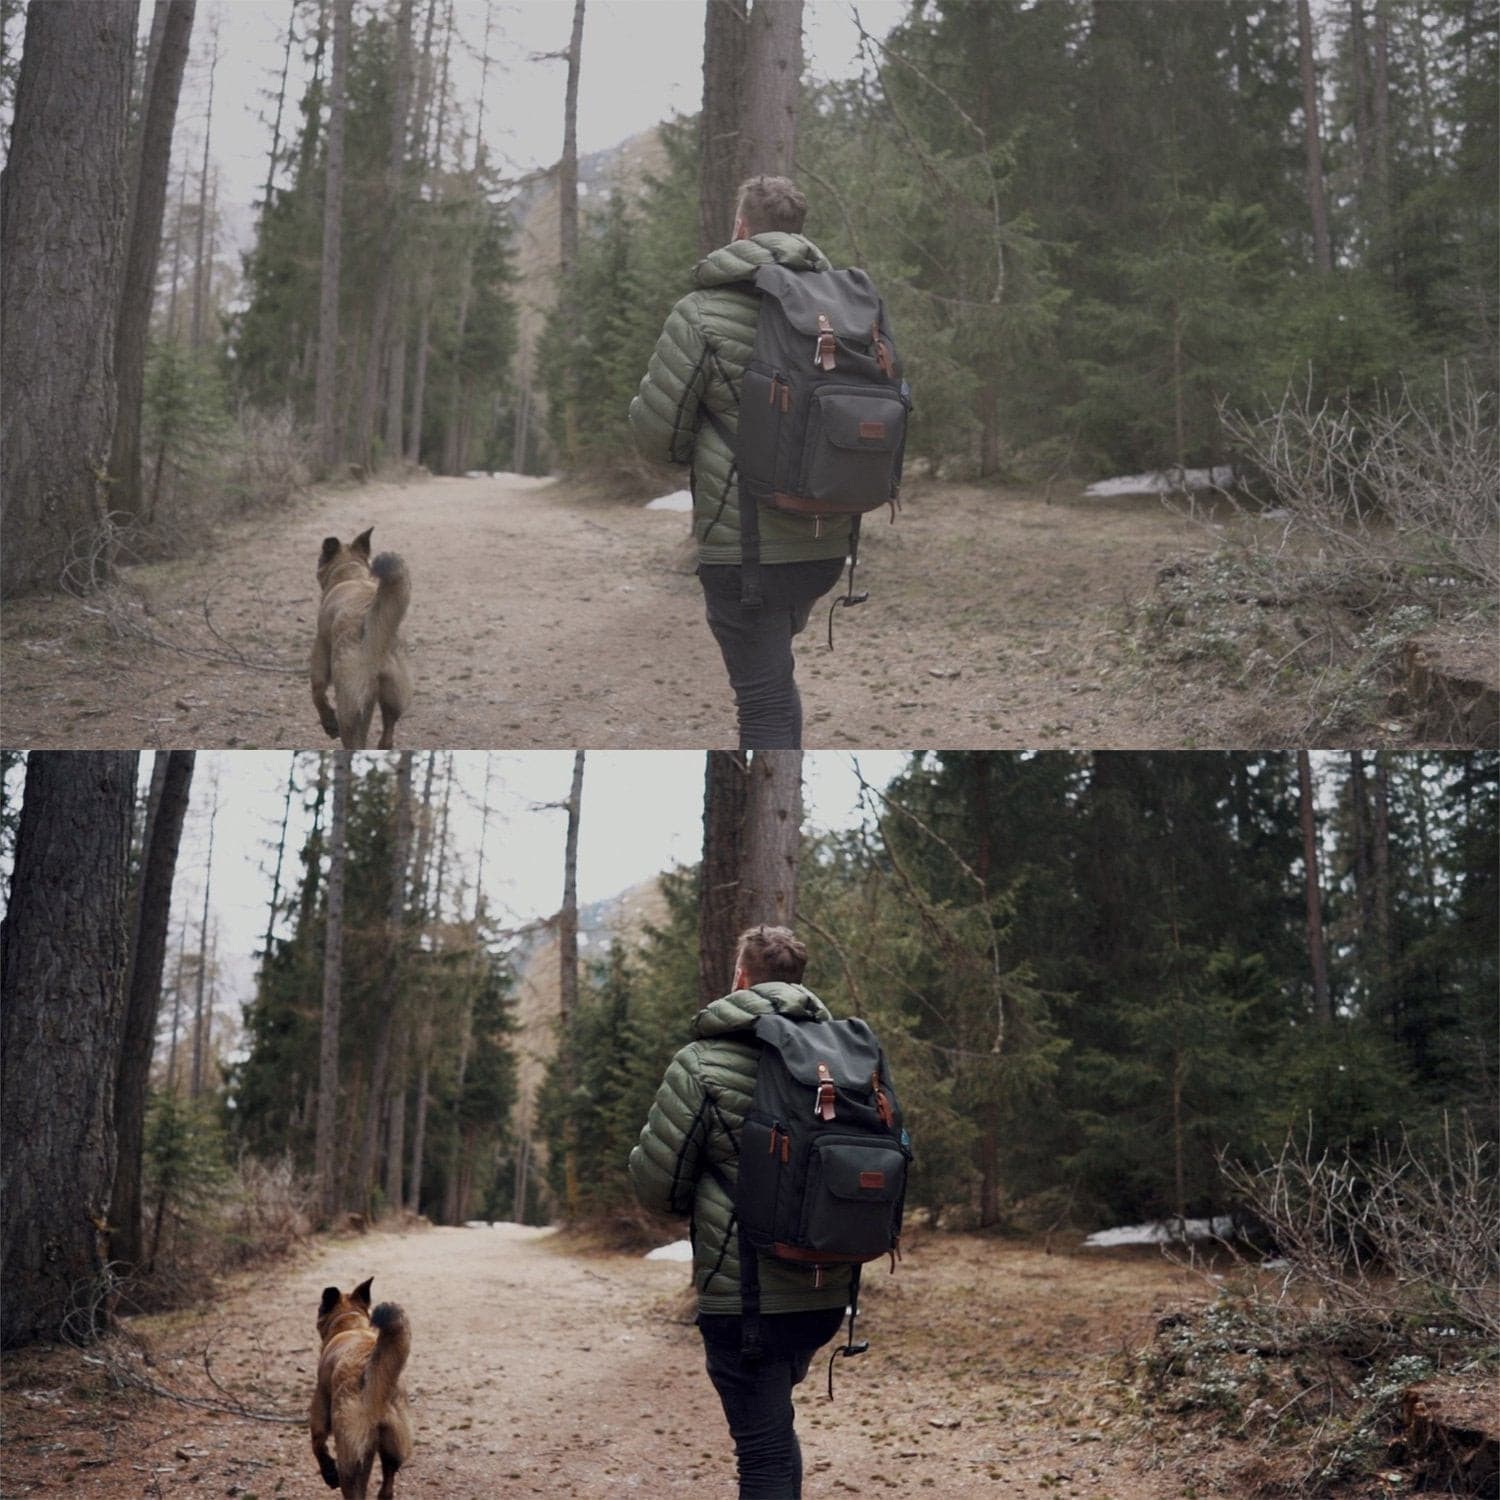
(511, 1229)
(1162, 1232)
(677, 1250)
(677, 500)
(1162, 482)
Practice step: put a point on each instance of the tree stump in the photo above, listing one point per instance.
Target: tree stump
(1452, 688)
(1452, 1435)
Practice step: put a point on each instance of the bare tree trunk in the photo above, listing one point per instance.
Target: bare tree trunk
(333, 950)
(171, 779)
(177, 983)
(1317, 200)
(773, 837)
(62, 220)
(391, 1008)
(199, 1019)
(143, 247)
(567, 170)
(1380, 120)
(725, 792)
(726, 30)
(567, 921)
(773, 83)
(1364, 134)
(286, 67)
(286, 816)
(1380, 872)
(62, 972)
(1317, 954)
(327, 379)
(203, 270)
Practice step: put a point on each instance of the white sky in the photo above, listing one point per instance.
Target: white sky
(642, 814)
(642, 62)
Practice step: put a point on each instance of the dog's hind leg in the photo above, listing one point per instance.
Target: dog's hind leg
(321, 672)
(389, 1464)
(355, 1481)
(393, 689)
(319, 1422)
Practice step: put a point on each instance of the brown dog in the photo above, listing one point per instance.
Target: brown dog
(357, 649)
(359, 1400)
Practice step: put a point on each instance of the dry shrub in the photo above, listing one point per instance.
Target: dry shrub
(1356, 532)
(1387, 1272)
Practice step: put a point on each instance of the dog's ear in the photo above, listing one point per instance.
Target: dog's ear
(329, 1302)
(361, 543)
(361, 1293)
(330, 550)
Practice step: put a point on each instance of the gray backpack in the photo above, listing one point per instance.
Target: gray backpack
(822, 420)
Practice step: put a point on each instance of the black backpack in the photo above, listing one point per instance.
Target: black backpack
(822, 419)
(823, 1158)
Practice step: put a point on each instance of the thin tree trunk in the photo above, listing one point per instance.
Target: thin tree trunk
(199, 1018)
(286, 66)
(177, 983)
(171, 779)
(725, 42)
(773, 87)
(203, 271)
(567, 171)
(567, 921)
(419, 1133)
(333, 946)
(1380, 872)
(62, 971)
(1380, 120)
(62, 220)
(773, 835)
(286, 816)
(725, 792)
(1317, 200)
(143, 247)
(325, 394)
(1317, 955)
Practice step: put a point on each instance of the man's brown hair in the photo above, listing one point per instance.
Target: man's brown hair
(771, 203)
(771, 953)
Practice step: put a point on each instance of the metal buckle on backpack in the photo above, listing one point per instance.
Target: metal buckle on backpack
(823, 1100)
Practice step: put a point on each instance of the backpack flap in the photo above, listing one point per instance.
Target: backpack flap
(847, 1048)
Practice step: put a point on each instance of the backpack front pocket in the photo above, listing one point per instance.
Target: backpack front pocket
(849, 453)
(854, 1185)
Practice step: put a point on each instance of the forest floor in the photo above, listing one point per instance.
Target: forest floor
(547, 616)
(542, 1367)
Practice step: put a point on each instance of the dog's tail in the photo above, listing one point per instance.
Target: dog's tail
(388, 1358)
(389, 606)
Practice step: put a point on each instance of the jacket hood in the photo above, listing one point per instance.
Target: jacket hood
(739, 1010)
(740, 260)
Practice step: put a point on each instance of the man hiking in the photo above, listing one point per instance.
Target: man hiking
(687, 412)
(684, 1163)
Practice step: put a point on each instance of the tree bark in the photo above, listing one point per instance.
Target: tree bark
(725, 40)
(725, 789)
(326, 383)
(62, 971)
(200, 1044)
(1316, 952)
(773, 837)
(1380, 873)
(171, 779)
(143, 247)
(567, 168)
(567, 920)
(333, 950)
(203, 260)
(1317, 200)
(62, 221)
(773, 81)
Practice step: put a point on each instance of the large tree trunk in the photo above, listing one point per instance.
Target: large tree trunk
(62, 221)
(567, 921)
(325, 394)
(143, 245)
(773, 82)
(725, 790)
(333, 952)
(773, 838)
(62, 972)
(725, 38)
(171, 778)
(1317, 200)
(1316, 952)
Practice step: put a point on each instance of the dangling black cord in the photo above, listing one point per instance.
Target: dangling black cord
(850, 1347)
(849, 599)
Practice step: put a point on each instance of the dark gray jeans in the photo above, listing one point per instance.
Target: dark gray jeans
(757, 644)
(757, 1398)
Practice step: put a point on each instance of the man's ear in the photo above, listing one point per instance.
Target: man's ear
(361, 543)
(361, 1293)
(741, 979)
(741, 228)
(330, 550)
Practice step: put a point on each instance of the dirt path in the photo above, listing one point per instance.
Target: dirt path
(536, 1371)
(544, 619)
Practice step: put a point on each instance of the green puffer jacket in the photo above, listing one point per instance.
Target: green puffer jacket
(696, 1119)
(700, 360)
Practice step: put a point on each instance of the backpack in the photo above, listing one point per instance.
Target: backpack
(822, 418)
(823, 1159)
